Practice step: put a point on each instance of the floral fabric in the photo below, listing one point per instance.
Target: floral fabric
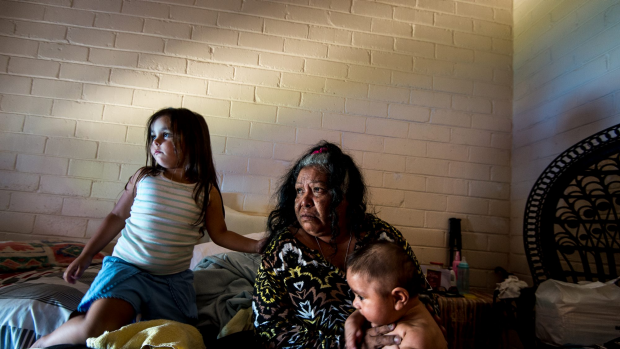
(300, 299)
(20, 256)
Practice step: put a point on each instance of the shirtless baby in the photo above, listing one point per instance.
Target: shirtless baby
(386, 286)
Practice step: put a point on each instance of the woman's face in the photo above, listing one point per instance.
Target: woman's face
(312, 203)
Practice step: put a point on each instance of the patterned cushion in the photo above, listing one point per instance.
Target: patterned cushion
(19, 256)
(37, 303)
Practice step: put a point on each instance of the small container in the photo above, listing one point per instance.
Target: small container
(462, 281)
(455, 265)
(452, 278)
(433, 275)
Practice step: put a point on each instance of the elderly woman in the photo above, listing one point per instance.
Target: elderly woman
(301, 296)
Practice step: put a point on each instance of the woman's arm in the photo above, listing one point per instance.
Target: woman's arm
(219, 233)
(112, 224)
(358, 333)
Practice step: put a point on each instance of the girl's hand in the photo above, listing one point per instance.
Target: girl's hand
(260, 245)
(358, 335)
(76, 269)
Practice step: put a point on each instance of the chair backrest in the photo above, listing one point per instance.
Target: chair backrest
(572, 216)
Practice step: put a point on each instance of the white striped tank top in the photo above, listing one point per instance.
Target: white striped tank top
(159, 235)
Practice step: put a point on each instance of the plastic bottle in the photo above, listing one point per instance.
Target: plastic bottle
(455, 264)
(452, 278)
(462, 280)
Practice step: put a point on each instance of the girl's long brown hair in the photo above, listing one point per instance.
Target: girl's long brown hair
(192, 143)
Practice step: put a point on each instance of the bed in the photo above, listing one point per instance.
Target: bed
(34, 299)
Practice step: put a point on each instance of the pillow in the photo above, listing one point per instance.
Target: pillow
(36, 307)
(241, 222)
(23, 256)
(26, 276)
(210, 248)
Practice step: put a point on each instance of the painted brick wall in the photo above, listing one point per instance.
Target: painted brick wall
(567, 74)
(418, 91)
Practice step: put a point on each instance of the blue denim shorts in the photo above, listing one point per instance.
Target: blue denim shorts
(169, 297)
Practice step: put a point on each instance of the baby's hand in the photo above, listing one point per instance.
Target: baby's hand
(75, 270)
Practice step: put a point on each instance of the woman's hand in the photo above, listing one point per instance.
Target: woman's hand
(76, 268)
(358, 335)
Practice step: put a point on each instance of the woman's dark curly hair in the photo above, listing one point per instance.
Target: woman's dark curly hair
(344, 181)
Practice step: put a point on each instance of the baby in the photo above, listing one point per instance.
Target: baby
(386, 284)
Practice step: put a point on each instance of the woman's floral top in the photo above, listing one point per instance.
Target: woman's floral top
(300, 299)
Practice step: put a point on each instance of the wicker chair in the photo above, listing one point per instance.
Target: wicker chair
(572, 220)
(572, 216)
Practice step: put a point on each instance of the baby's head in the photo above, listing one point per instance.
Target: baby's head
(384, 279)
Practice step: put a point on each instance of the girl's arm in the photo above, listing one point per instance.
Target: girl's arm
(219, 233)
(113, 223)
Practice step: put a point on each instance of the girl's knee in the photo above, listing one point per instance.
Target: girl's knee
(107, 314)
(96, 327)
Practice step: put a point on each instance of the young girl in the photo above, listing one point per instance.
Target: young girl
(161, 215)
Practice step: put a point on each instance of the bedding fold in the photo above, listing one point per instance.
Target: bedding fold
(224, 284)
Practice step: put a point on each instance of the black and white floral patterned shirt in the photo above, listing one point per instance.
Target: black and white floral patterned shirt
(300, 299)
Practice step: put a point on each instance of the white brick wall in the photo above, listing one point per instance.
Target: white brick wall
(566, 88)
(419, 92)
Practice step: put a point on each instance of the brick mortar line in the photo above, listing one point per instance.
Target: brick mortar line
(172, 4)
(102, 121)
(581, 24)
(233, 81)
(572, 91)
(241, 30)
(183, 94)
(259, 51)
(242, 83)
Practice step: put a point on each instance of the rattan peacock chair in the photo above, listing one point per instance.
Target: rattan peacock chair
(572, 216)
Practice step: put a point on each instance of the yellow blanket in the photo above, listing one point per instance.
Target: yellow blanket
(150, 334)
(242, 321)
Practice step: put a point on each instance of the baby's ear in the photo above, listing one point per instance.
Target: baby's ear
(401, 297)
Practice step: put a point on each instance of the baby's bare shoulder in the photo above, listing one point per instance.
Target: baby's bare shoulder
(420, 334)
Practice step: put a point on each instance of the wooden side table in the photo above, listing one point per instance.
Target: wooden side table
(469, 321)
